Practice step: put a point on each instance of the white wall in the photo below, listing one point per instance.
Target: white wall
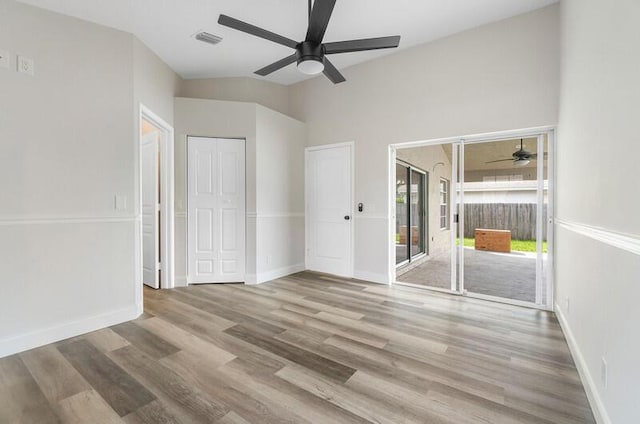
(66, 254)
(240, 89)
(155, 84)
(598, 209)
(280, 243)
(275, 178)
(426, 159)
(497, 77)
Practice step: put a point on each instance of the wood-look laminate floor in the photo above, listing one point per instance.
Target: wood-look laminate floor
(303, 349)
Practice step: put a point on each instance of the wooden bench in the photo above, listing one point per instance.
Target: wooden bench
(493, 240)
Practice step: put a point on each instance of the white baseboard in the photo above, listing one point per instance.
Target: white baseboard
(371, 277)
(597, 406)
(180, 281)
(65, 331)
(273, 274)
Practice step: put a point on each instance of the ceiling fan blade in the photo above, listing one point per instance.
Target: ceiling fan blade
(230, 22)
(276, 65)
(364, 44)
(332, 73)
(500, 160)
(319, 20)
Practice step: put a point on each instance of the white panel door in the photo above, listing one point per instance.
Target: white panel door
(216, 210)
(328, 210)
(150, 210)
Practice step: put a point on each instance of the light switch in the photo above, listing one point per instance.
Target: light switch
(4, 59)
(120, 203)
(25, 65)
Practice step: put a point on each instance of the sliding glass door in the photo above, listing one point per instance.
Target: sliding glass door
(504, 212)
(479, 222)
(410, 213)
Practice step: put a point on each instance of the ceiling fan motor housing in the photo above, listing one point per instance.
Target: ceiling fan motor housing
(308, 50)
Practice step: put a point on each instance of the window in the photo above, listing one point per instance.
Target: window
(444, 204)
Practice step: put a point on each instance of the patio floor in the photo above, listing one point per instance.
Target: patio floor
(507, 275)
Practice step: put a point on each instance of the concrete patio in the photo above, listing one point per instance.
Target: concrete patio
(507, 275)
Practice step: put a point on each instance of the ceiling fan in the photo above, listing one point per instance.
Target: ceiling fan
(310, 53)
(520, 157)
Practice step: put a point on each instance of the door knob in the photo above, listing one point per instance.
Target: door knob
(347, 217)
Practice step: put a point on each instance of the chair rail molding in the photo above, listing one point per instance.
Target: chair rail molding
(66, 220)
(627, 242)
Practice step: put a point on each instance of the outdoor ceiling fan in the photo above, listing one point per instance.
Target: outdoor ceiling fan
(310, 53)
(520, 157)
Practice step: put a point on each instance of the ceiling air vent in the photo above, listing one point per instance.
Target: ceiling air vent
(207, 37)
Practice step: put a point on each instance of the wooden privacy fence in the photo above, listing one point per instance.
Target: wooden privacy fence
(519, 218)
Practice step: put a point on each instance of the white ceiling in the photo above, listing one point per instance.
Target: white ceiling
(167, 26)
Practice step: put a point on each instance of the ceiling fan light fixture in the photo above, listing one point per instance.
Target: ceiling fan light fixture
(521, 162)
(311, 66)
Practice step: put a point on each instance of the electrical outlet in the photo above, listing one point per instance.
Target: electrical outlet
(4, 59)
(603, 373)
(566, 304)
(25, 65)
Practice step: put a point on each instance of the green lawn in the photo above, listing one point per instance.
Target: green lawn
(516, 245)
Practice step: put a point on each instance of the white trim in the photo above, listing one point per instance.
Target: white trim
(352, 154)
(372, 277)
(329, 146)
(167, 198)
(627, 242)
(539, 223)
(432, 288)
(474, 138)
(391, 218)
(597, 406)
(263, 277)
(551, 205)
(257, 215)
(459, 260)
(507, 301)
(64, 331)
(453, 210)
(66, 220)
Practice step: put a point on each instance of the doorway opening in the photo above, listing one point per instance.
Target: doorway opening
(429, 207)
(490, 235)
(156, 202)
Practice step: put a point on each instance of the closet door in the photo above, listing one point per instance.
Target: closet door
(216, 210)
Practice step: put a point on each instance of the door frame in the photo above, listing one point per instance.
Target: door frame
(550, 132)
(167, 199)
(307, 150)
